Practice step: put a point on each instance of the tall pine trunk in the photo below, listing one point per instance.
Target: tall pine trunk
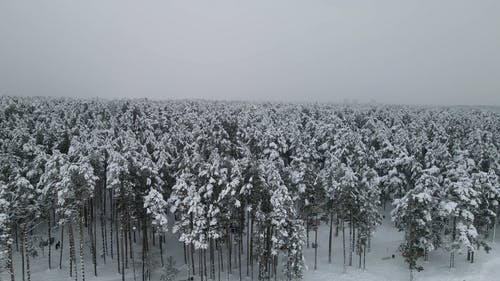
(26, 251)
(103, 228)
(343, 244)
(240, 253)
(10, 262)
(307, 231)
(161, 251)
(122, 242)
(330, 239)
(229, 243)
(81, 249)
(132, 254)
(212, 259)
(23, 250)
(111, 216)
(49, 244)
(94, 245)
(72, 260)
(350, 239)
(251, 246)
(117, 239)
(315, 247)
(61, 247)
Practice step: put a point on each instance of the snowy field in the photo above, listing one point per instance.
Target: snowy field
(379, 265)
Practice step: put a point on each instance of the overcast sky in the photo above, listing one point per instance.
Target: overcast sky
(400, 51)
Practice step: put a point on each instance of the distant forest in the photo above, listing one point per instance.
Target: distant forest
(237, 181)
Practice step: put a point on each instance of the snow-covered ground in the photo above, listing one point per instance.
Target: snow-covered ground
(384, 243)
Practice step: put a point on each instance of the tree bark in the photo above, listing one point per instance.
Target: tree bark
(330, 239)
(49, 244)
(62, 243)
(26, 251)
(307, 231)
(343, 244)
(161, 251)
(122, 242)
(315, 247)
(81, 239)
(94, 245)
(23, 250)
(251, 246)
(72, 259)
(131, 250)
(111, 215)
(117, 238)
(229, 250)
(10, 262)
(350, 239)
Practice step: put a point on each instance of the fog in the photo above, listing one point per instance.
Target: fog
(411, 52)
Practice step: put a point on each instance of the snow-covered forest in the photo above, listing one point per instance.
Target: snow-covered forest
(242, 187)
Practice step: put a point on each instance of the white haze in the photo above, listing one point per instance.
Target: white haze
(413, 52)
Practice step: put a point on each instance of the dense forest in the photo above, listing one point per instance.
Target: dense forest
(242, 186)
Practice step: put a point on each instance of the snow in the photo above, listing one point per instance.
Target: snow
(379, 264)
(448, 207)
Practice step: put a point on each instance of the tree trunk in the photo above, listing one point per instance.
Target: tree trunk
(343, 244)
(125, 241)
(50, 244)
(81, 249)
(72, 260)
(494, 229)
(307, 231)
(17, 237)
(330, 239)
(26, 250)
(212, 259)
(369, 235)
(229, 267)
(161, 251)
(185, 253)
(200, 263)
(117, 239)
(104, 234)
(337, 224)
(239, 254)
(251, 247)
(192, 258)
(360, 248)
(187, 261)
(364, 258)
(350, 239)
(205, 263)
(94, 244)
(221, 255)
(10, 262)
(248, 243)
(452, 254)
(111, 215)
(122, 242)
(220, 262)
(23, 254)
(145, 249)
(131, 249)
(62, 243)
(315, 247)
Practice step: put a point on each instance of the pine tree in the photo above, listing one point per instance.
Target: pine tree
(415, 214)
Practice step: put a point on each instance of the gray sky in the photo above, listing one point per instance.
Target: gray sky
(416, 52)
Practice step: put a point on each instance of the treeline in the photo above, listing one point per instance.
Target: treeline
(245, 184)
